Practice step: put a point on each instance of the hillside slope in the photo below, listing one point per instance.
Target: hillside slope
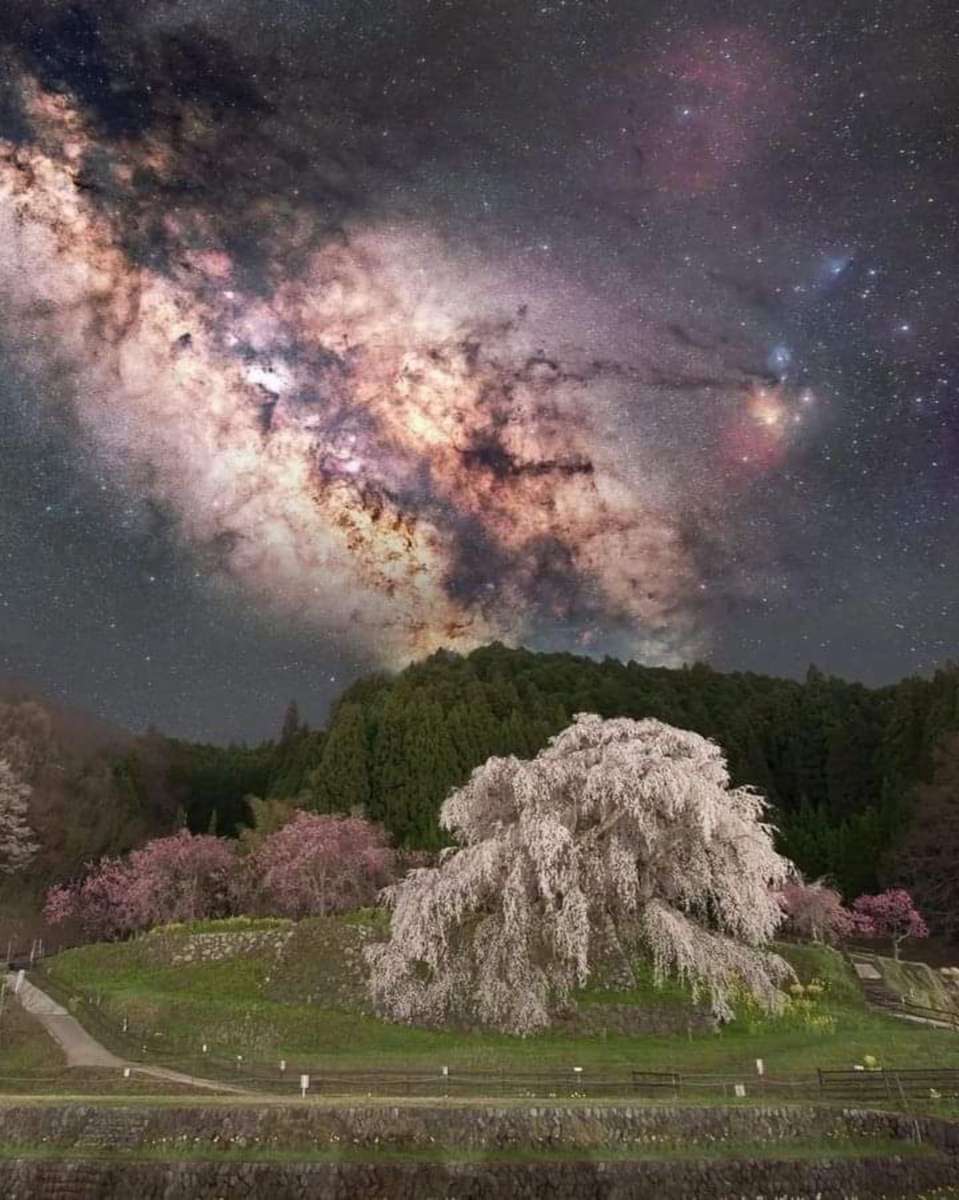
(272, 990)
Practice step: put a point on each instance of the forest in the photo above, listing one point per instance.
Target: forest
(861, 782)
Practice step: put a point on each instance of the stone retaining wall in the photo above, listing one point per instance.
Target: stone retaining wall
(177, 949)
(864, 1179)
(466, 1127)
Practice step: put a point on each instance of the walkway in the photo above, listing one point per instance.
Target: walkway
(79, 1048)
(83, 1050)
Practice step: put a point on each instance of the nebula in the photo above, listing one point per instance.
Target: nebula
(357, 427)
(343, 331)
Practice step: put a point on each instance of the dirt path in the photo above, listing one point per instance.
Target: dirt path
(81, 1049)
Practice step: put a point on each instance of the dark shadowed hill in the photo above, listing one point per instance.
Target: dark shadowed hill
(97, 789)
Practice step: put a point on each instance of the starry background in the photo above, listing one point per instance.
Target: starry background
(719, 241)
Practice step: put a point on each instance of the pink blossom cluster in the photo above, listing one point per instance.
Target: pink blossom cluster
(815, 912)
(314, 865)
(180, 878)
(318, 865)
(891, 914)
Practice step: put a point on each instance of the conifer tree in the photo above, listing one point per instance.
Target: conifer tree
(341, 783)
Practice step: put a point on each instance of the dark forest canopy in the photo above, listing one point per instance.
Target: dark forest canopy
(840, 763)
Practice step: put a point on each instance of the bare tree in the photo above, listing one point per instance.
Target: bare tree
(621, 838)
(18, 846)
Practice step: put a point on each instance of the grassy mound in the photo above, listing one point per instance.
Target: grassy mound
(306, 1003)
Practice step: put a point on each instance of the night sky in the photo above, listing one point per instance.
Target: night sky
(335, 331)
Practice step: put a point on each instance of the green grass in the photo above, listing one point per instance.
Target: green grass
(259, 1007)
(25, 1046)
(182, 1150)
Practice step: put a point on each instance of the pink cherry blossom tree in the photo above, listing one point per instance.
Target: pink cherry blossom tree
(814, 912)
(319, 864)
(622, 838)
(890, 914)
(18, 846)
(179, 878)
(105, 903)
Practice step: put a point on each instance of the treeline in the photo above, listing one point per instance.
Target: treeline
(840, 763)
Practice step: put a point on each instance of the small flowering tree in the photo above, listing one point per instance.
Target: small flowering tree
(815, 912)
(179, 878)
(621, 837)
(891, 914)
(18, 846)
(105, 903)
(319, 864)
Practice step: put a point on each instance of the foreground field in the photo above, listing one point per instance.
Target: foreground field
(298, 996)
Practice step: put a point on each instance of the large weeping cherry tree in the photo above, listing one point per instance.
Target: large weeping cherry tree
(621, 839)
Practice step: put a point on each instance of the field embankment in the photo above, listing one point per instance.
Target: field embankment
(291, 1152)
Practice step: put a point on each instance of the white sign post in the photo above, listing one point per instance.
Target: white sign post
(760, 1067)
(304, 1086)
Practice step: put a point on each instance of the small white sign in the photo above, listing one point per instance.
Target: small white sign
(304, 1084)
(740, 1089)
(446, 1070)
(760, 1067)
(282, 1064)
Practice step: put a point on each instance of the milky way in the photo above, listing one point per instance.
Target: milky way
(413, 337)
